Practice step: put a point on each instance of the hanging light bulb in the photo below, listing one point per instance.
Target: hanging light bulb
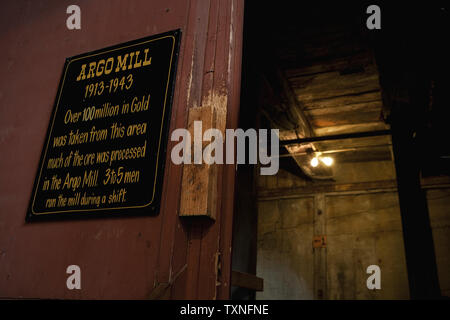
(314, 162)
(328, 161)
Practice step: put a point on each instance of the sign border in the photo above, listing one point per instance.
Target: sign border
(160, 163)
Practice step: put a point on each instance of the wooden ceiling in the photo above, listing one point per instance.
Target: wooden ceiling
(335, 80)
(331, 82)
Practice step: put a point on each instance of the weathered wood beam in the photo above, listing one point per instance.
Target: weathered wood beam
(352, 117)
(374, 186)
(327, 188)
(352, 128)
(332, 106)
(320, 252)
(355, 143)
(246, 280)
(337, 137)
(281, 102)
(283, 110)
(405, 76)
(333, 84)
(366, 98)
(199, 182)
(417, 233)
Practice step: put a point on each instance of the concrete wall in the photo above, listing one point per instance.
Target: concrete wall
(363, 230)
(285, 255)
(363, 227)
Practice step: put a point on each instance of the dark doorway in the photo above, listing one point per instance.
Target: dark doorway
(316, 73)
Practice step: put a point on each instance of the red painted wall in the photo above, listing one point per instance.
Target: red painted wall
(141, 257)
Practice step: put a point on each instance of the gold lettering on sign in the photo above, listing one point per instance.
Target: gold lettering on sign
(128, 61)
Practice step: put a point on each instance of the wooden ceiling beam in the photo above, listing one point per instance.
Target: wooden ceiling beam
(282, 107)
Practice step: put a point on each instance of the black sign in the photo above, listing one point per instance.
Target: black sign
(106, 143)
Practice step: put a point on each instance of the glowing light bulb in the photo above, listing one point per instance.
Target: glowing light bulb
(314, 162)
(327, 160)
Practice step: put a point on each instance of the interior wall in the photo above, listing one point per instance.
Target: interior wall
(361, 218)
(285, 254)
(362, 228)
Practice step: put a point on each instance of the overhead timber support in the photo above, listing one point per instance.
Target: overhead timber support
(282, 109)
(407, 72)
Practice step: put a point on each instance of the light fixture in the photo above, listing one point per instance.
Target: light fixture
(328, 161)
(314, 162)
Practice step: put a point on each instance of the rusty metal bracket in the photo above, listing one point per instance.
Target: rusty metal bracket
(319, 241)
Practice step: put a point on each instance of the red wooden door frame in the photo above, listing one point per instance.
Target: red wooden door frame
(195, 253)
